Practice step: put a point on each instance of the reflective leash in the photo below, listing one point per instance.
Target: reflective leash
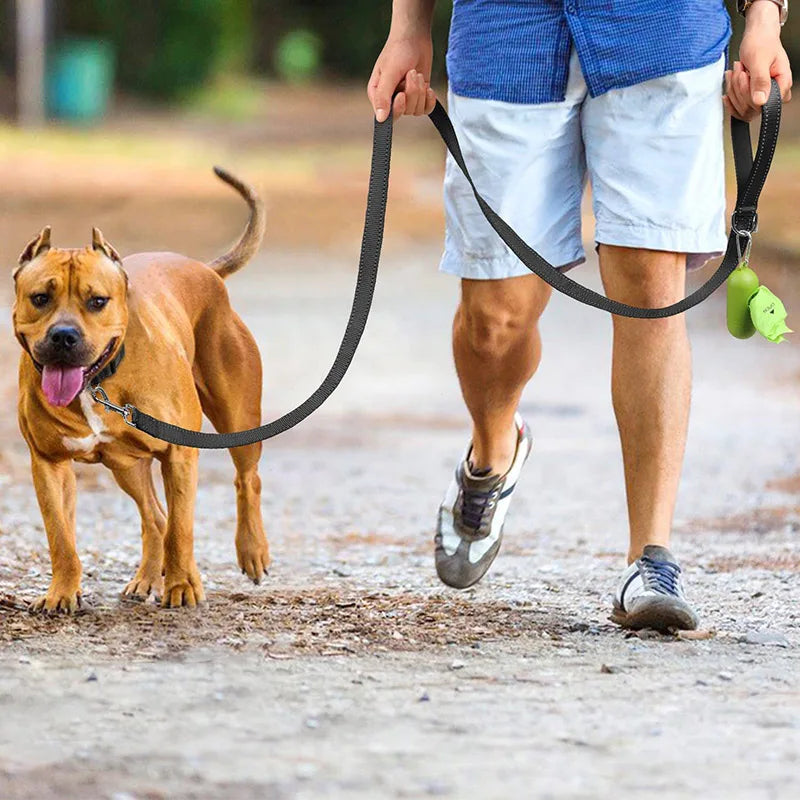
(750, 176)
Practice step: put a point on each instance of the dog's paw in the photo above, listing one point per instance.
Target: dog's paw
(252, 555)
(183, 590)
(144, 584)
(57, 601)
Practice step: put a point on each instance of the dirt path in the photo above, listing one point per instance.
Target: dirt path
(351, 672)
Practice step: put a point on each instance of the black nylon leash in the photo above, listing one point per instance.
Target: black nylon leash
(750, 176)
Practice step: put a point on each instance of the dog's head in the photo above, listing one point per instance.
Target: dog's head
(70, 312)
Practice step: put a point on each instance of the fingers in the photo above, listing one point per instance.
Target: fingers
(739, 93)
(759, 80)
(430, 100)
(784, 77)
(399, 107)
(414, 97)
(733, 99)
(380, 89)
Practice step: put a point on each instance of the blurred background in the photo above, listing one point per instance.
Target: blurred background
(125, 106)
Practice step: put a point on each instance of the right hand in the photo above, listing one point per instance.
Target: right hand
(404, 65)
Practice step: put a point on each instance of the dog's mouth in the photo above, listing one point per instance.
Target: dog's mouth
(62, 383)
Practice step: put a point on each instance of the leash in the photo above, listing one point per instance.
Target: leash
(750, 176)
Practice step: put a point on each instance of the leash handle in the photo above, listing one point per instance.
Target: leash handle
(750, 176)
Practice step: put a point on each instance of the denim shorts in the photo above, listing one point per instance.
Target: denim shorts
(653, 153)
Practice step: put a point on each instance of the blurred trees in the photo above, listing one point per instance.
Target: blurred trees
(167, 47)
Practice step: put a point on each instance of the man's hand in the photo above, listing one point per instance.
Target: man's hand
(403, 65)
(761, 57)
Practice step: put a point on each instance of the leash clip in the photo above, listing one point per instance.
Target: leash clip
(744, 223)
(126, 412)
(744, 257)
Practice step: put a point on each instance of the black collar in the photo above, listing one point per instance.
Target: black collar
(110, 368)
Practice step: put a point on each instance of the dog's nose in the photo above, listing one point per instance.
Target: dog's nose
(64, 337)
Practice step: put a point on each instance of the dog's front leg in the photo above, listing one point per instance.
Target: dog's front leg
(55, 489)
(182, 585)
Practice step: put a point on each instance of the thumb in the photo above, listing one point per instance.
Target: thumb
(759, 81)
(388, 80)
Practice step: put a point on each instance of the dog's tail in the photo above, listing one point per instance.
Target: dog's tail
(250, 240)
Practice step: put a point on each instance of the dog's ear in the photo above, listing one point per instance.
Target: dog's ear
(35, 247)
(100, 244)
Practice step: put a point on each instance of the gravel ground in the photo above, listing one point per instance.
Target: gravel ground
(351, 672)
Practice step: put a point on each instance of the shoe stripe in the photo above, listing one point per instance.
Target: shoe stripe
(507, 492)
(630, 580)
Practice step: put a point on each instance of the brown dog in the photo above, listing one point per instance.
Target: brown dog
(186, 353)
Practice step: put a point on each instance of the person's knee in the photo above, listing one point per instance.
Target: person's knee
(645, 278)
(494, 325)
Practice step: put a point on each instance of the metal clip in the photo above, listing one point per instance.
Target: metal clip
(126, 412)
(743, 257)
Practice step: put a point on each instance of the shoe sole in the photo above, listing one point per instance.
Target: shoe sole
(463, 580)
(660, 614)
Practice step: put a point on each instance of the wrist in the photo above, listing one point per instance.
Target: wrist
(411, 20)
(764, 14)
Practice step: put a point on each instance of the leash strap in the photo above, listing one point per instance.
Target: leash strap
(750, 176)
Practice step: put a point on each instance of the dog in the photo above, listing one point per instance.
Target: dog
(163, 324)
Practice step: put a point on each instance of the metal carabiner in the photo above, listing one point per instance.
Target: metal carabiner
(744, 258)
(99, 396)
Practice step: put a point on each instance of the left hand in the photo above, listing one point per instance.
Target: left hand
(761, 57)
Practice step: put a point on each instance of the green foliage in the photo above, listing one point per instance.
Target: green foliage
(166, 47)
(297, 56)
(352, 32)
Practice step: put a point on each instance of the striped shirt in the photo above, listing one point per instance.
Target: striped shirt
(518, 50)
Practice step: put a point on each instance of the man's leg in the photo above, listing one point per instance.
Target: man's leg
(497, 348)
(651, 387)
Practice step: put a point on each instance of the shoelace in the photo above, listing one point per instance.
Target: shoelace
(475, 504)
(660, 576)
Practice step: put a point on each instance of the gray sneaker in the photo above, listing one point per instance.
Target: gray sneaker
(650, 594)
(471, 516)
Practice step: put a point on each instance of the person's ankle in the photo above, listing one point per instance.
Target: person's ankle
(496, 456)
(636, 552)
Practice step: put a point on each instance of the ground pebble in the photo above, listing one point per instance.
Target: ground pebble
(610, 669)
(457, 664)
(765, 637)
(725, 676)
(91, 677)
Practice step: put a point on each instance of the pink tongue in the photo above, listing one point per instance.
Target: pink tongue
(61, 385)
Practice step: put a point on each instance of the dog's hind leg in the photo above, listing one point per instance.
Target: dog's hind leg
(228, 377)
(137, 481)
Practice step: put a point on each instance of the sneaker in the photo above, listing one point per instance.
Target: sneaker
(650, 594)
(471, 516)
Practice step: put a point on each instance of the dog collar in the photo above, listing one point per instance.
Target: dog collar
(110, 368)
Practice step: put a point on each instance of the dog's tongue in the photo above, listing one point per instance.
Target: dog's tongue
(61, 385)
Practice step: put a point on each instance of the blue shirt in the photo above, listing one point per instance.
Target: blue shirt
(518, 50)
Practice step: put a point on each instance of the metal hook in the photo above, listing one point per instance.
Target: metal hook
(99, 396)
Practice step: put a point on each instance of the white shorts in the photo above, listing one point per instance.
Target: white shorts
(653, 153)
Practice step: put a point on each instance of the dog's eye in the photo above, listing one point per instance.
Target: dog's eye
(97, 303)
(40, 300)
